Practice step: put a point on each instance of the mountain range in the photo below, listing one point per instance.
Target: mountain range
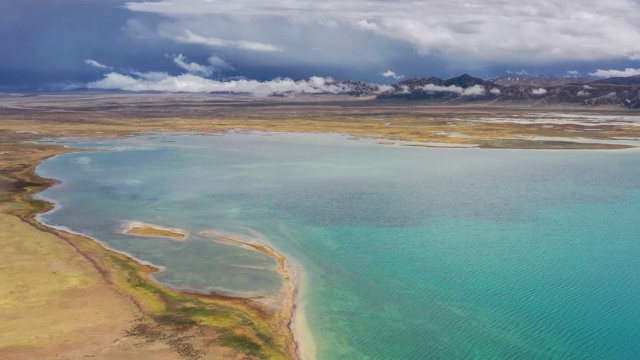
(621, 91)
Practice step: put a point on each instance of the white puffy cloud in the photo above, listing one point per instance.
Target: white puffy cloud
(520, 72)
(404, 89)
(495, 91)
(191, 38)
(365, 25)
(160, 81)
(470, 91)
(192, 67)
(96, 64)
(392, 74)
(216, 65)
(538, 30)
(616, 73)
(474, 90)
(539, 91)
(438, 88)
(115, 81)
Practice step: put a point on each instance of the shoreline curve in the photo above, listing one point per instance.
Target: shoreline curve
(291, 342)
(289, 274)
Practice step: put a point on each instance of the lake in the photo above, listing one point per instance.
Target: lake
(404, 252)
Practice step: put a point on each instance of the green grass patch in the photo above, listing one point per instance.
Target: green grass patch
(263, 335)
(175, 320)
(36, 207)
(139, 281)
(241, 343)
(197, 311)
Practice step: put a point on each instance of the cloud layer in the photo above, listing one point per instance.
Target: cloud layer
(191, 38)
(192, 67)
(392, 74)
(536, 30)
(96, 64)
(470, 91)
(616, 73)
(344, 39)
(160, 81)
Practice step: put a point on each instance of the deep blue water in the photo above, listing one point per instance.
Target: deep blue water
(405, 253)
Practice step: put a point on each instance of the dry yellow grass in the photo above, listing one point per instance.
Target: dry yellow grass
(53, 301)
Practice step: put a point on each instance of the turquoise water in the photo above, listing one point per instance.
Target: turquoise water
(405, 253)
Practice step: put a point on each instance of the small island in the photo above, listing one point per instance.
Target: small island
(147, 230)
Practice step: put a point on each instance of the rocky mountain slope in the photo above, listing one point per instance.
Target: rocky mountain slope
(539, 80)
(465, 88)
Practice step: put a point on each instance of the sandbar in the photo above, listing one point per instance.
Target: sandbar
(148, 230)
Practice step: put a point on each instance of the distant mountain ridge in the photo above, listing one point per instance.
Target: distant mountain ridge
(465, 81)
(630, 80)
(535, 90)
(523, 90)
(539, 80)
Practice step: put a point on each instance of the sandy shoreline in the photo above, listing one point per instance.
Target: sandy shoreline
(290, 275)
(151, 268)
(287, 270)
(300, 328)
(302, 335)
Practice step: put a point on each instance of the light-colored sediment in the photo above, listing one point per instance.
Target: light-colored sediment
(148, 230)
(304, 338)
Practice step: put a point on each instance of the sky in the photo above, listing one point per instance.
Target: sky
(224, 45)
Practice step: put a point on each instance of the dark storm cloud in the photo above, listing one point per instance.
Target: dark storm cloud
(53, 42)
(80, 41)
(41, 39)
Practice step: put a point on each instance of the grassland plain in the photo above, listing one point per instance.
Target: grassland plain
(95, 302)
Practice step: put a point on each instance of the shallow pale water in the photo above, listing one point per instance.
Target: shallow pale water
(406, 253)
